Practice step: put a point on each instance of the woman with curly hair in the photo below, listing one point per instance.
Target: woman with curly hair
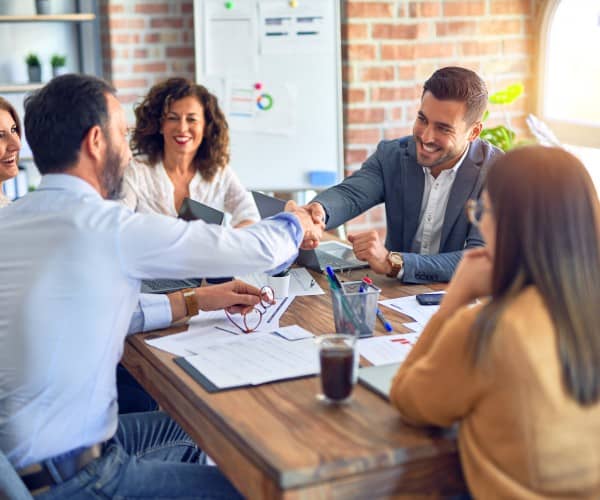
(181, 149)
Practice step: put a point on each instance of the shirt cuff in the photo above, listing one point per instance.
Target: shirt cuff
(297, 234)
(156, 311)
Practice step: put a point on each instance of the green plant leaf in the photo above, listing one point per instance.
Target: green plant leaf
(507, 95)
(499, 136)
(486, 115)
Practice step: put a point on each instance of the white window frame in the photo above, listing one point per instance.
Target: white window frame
(569, 132)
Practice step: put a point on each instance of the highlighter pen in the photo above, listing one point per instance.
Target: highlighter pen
(334, 278)
(386, 324)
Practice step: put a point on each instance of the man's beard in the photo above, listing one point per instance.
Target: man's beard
(112, 175)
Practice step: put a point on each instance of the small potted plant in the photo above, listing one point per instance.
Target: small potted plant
(34, 68)
(58, 64)
(42, 7)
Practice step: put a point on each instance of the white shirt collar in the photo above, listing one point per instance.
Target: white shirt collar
(67, 182)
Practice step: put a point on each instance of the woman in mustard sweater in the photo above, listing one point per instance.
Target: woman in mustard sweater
(521, 371)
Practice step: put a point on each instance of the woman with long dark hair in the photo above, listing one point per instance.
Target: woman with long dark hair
(520, 371)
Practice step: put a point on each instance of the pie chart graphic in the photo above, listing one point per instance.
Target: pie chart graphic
(264, 102)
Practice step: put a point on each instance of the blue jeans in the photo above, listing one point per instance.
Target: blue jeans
(150, 456)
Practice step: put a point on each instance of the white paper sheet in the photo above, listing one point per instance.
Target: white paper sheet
(387, 349)
(410, 307)
(301, 282)
(256, 359)
(214, 327)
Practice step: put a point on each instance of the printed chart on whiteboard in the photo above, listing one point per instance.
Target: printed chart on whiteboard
(275, 67)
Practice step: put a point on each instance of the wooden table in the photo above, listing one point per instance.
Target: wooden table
(278, 441)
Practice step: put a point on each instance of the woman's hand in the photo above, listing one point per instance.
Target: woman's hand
(472, 280)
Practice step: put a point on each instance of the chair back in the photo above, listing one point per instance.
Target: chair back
(11, 486)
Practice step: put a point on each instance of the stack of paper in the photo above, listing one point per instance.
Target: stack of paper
(410, 307)
(255, 359)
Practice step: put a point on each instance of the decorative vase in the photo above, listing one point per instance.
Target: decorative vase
(42, 7)
(35, 74)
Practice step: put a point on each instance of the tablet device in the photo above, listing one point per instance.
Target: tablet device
(194, 210)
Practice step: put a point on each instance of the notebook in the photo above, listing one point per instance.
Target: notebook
(338, 256)
(190, 210)
(378, 378)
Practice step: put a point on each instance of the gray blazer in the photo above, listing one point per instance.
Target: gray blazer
(392, 176)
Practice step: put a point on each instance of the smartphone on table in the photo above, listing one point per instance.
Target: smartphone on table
(430, 299)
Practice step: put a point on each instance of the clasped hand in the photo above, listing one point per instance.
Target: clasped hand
(312, 224)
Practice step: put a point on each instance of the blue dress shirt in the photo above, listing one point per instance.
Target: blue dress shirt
(71, 265)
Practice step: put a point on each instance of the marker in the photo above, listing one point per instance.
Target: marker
(386, 324)
(334, 278)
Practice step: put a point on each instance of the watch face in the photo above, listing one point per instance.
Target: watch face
(396, 258)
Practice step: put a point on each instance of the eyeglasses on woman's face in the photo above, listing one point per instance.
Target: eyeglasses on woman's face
(251, 320)
(475, 210)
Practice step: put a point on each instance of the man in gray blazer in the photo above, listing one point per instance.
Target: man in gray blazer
(424, 180)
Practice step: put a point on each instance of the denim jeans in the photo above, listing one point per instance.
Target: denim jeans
(150, 456)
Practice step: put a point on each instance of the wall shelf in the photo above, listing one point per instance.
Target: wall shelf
(11, 88)
(75, 18)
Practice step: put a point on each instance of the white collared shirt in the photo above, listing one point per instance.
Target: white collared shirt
(436, 192)
(148, 189)
(71, 265)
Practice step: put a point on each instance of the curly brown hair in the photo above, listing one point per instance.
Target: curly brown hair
(7, 106)
(213, 153)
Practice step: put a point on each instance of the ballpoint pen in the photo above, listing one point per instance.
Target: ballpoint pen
(386, 324)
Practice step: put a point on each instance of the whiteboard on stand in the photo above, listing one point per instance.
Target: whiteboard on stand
(275, 67)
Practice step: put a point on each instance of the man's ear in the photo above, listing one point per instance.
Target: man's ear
(475, 131)
(93, 142)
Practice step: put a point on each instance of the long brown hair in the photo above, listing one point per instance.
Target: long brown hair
(213, 153)
(548, 235)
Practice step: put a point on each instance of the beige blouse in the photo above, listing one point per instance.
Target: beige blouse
(521, 435)
(148, 189)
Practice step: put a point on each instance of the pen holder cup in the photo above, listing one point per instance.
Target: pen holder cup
(354, 312)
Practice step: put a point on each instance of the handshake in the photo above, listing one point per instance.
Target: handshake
(312, 220)
(366, 245)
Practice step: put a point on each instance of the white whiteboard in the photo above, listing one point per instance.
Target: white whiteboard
(275, 66)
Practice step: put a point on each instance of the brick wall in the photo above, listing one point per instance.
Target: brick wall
(389, 48)
(144, 42)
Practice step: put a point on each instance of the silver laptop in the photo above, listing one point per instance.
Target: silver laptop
(338, 256)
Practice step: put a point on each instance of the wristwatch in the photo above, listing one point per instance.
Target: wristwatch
(191, 306)
(397, 262)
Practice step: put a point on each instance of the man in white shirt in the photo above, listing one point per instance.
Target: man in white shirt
(71, 264)
(424, 180)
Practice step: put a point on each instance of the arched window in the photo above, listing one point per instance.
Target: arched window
(568, 94)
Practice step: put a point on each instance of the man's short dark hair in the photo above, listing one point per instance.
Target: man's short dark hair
(459, 84)
(59, 115)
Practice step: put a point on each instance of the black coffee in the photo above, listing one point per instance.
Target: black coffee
(337, 365)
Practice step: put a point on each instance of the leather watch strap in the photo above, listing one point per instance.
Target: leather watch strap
(191, 304)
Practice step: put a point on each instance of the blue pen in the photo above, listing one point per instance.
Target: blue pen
(386, 324)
